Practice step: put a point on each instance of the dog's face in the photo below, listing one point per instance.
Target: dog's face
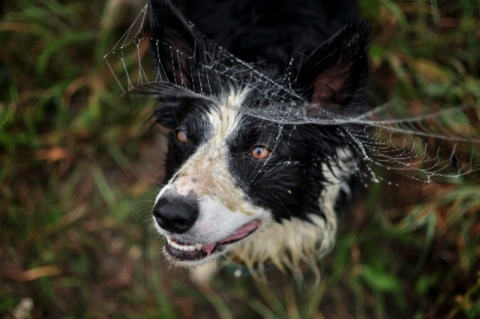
(231, 174)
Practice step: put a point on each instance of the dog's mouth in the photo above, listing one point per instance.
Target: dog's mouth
(195, 252)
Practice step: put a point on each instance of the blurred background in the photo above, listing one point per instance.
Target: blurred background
(80, 166)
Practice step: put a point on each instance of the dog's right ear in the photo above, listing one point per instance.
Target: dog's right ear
(177, 49)
(174, 44)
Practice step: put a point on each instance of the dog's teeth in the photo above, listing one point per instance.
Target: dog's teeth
(183, 247)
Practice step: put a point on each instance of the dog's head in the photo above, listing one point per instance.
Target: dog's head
(232, 174)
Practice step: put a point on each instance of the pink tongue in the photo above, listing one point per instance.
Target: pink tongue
(237, 234)
(209, 248)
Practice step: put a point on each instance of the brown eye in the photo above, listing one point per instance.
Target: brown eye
(182, 136)
(260, 152)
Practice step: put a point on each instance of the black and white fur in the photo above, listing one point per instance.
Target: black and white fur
(220, 199)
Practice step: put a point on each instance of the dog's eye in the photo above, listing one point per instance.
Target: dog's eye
(260, 152)
(182, 136)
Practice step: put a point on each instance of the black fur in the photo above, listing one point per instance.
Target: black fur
(270, 30)
(329, 73)
(289, 183)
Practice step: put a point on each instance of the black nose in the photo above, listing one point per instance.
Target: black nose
(176, 214)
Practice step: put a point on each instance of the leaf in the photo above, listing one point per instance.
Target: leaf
(379, 280)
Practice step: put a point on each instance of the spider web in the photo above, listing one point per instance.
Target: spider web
(430, 144)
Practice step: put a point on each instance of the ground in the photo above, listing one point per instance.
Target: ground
(80, 166)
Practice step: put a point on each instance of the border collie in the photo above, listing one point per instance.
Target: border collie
(239, 184)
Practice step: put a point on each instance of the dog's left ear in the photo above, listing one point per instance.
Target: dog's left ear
(335, 74)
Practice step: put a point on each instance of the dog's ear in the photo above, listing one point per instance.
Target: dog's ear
(335, 74)
(176, 48)
(173, 42)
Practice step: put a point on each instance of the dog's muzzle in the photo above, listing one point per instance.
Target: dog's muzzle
(194, 237)
(175, 213)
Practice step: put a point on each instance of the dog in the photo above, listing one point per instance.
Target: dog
(242, 183)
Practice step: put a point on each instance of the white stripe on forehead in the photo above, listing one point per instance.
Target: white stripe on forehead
(207, 172)
(225, 118)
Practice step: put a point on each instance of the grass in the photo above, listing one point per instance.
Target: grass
(79, 169)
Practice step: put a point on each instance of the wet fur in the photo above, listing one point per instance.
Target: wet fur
(297, 192)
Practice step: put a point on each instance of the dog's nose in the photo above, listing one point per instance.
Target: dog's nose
(176, 215)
